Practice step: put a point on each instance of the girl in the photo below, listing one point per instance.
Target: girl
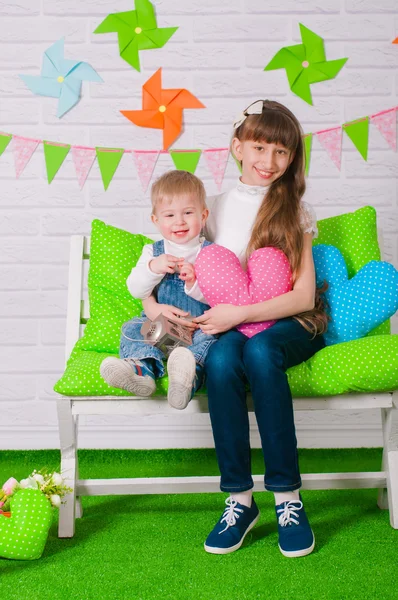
(264, 209)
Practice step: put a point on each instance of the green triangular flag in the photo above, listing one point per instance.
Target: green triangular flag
(108, 161)
(4, 141)
(186, 161)
(307, 148)
(358, 132)
(54, 155)
(237, 162)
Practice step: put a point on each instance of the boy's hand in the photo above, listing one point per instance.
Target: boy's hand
(187, 273)
(165, 263)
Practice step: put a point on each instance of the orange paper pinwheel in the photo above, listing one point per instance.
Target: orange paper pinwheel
(162, 109)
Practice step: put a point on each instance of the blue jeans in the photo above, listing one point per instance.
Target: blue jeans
(260, 361)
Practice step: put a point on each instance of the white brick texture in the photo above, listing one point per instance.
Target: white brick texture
(219, 53)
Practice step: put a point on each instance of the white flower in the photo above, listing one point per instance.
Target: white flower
(57, 479)
(39, 478)
(55, 500)
(28, 483)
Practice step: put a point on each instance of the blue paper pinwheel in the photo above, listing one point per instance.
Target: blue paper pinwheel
(60, 78)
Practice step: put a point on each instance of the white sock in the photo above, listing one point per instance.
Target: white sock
(244, 498)
(286, 497)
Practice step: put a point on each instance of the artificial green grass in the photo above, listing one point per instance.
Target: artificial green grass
(151, 547)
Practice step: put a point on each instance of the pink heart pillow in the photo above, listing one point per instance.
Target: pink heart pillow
(223, 281)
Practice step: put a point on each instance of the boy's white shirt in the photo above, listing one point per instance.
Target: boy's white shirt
(142, 281)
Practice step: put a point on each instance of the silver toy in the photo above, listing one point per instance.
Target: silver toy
(166, 334)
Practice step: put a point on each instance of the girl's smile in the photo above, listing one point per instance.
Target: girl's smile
(262, 163)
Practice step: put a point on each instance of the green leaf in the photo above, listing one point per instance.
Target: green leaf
(54, 155)
(358, 132)
(108, 161)
(186, 161)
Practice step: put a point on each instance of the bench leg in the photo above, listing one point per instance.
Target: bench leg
(68, 444)
(390, 463)
(386, 416)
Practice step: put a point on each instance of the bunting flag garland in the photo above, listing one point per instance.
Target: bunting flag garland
(108, 162)
(145, 161)
(5, 139)
(216, 158)
(83, 159)
(185, 160)
(54, 155)
(358, 132)
(386, 123)
(23, 151)
(331, 141)
(307, 149)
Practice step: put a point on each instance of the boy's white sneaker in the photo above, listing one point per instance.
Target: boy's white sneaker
(128, 374)
(181, 369)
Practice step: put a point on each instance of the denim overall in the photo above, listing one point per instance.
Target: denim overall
(169, 291)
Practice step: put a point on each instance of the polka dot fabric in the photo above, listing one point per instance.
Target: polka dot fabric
(359, 304)
(366, 365)
(355, 235)
(24, 534)
(113, 253)
(223, 281)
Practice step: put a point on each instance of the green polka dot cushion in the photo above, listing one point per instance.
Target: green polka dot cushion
(355, 235)
(114, 252)
(369, 364)
(24, 534)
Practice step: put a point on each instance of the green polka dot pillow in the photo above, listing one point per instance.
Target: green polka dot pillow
(113, 253)
(355, 235)
(369, 364)
(24, 534)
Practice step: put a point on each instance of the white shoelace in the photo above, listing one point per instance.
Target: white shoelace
(289, 512)
(231, 513)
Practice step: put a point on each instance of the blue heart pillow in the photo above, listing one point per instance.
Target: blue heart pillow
(359, 304)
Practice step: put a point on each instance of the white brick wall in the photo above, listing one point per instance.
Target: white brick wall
(218, 53)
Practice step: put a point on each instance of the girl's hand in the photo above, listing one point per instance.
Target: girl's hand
(165, 263)
(153, 310)
(221, 318)
(187, 273)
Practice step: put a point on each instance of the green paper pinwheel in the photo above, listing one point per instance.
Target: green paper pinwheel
(137, 30)
(305, 64)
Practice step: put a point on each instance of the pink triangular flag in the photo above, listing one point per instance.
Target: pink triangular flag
(83, 159)
(145, 161)
(331, 141)
(386, 123)
(216, 159)
(23, 149)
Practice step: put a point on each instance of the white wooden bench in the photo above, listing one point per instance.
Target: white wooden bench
(69, 409)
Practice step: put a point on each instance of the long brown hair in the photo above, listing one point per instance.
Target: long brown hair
(278, 219)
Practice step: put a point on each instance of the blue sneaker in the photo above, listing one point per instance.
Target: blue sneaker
(296, 537)
(135, 376)
(230, 531)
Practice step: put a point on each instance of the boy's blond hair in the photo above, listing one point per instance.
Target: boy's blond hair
(177, 183)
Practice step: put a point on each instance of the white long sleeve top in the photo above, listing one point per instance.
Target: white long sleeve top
(233, 213)
(142, 281)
